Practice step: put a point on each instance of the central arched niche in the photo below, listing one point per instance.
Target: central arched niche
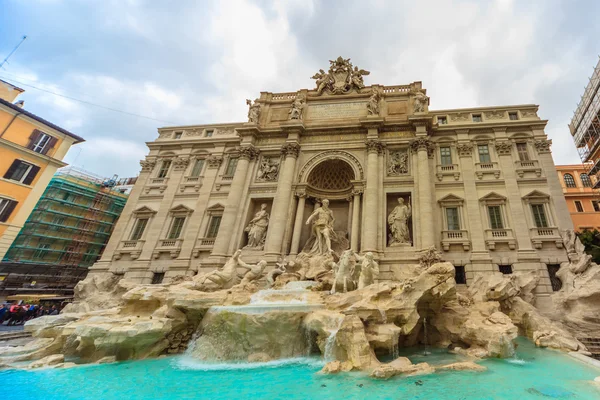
(332, 177)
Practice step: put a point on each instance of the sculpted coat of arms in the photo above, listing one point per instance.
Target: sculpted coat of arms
(341, 77)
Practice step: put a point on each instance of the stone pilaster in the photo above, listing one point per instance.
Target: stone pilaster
(424, 149)
(298, 222)
(224, 237)
(355, 234)
(281, 202)
(371, 203)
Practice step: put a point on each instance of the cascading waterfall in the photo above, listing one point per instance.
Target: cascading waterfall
(329, 354)
(426, 352)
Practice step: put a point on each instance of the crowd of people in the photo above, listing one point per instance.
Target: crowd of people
(16, 314)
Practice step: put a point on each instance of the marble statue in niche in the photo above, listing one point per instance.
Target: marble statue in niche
(269, 169)
(253, 111)
(322, 228)
(398, 222)
(373, 104)
(297, 107)
(257, 229)
(398, 163)
(420, 101)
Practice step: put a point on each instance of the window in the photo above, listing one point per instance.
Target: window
(476, 117)
(522, 150)
(178, 135)
(176, 227)
(505, 269)
(164, 169)
(578, 206)
(539, 216)
(6, 208)
(58, 220)
(231, 165)
(459, 275)
(42, 251)
(445, 156)
(554, 281)
(21, 171)
(569, 181)
(484, 153)
(213, 226)
(585, 180)
(209, 133)
(157, 278)
(41, 142)
(495, 217)
(513, 116)
(67, 196)
(596, 205)
(452, 219)
(442, 120)
(138, 229)
(197, 170)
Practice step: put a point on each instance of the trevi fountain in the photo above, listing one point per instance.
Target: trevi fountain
(335, 320)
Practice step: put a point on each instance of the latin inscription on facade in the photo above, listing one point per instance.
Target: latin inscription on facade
(337, 110)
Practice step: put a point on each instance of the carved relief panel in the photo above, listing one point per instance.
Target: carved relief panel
(398, 162)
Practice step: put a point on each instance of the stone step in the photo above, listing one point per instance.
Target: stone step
(13, 335)
(592, 344)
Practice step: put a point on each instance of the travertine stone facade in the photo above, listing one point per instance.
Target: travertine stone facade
(481, 183)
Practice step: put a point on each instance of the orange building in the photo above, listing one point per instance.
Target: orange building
(582, 200)
(31, 150)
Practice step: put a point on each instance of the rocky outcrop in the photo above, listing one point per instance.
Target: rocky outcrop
(98, 292)
(462, 366)
(401, 366)
(48, 361)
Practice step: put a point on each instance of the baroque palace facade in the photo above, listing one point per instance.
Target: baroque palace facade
(478, 183)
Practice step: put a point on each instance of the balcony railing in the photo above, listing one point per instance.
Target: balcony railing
(484, 168)
(158, 181)
(131, 247)
(166, 243)
(172, 246)
(192, 179)
(460, 237)
(522, 166)
(447, 169)
(206, 241)
(548, 234)
(493, 236)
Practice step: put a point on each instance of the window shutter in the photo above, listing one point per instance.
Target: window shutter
(31, 175)
(33, 138)
(50, 145)
(12, 169)
(8, 210)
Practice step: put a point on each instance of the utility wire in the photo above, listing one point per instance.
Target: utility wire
(87, 102)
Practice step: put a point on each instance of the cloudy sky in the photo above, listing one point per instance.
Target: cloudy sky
(192, 61)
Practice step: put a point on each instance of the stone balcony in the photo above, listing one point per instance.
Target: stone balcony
(203, 244)
(495, 236)
(461, 238)
(156, 184)
(447, 170)
(131, 247)
(532, 166)
(191, 184)
(171, 246)
(541, 235)
(487, 168)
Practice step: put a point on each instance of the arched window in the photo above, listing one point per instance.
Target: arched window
(569, 181)
(585, 179)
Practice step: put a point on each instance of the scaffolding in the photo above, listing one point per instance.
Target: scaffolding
(68, 228)
(585, 128)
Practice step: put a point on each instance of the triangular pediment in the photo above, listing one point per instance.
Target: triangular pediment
(144, 210)
(216, 207)
(536, 194)
(451, 198)
(492, 196)
(181, 209)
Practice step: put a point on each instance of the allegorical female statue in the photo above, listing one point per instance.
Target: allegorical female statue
(257, 229)
(322, 220)
(398, 222)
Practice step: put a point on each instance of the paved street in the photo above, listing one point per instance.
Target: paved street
(4, 328)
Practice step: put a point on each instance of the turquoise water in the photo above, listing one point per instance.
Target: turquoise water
(535, 374)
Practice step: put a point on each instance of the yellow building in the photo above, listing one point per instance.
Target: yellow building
(31, 150)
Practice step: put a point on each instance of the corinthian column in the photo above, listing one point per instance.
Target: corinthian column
(424, 149)
(354, 236)
(298, 222)
(371, 203)
(281, 203)
(247, 153)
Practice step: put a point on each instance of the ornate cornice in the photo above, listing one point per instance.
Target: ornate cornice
(180, 163)
(543, 145)
(214, 161)
(147, 165)
(290, 150)
(423, 144)
(249, 152)
(464, 149)
(503, 148)
(374, 145)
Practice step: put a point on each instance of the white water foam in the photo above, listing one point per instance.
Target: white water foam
(189, 363)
